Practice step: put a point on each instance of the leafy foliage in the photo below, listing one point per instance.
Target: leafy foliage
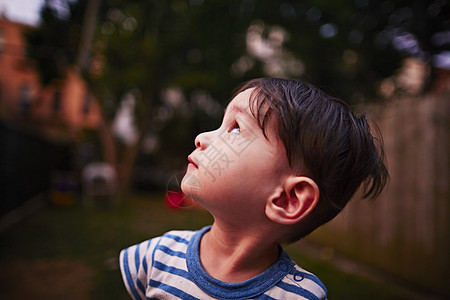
(54, 44)
(192, 44)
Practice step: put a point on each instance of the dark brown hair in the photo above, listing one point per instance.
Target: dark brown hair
(324, 140)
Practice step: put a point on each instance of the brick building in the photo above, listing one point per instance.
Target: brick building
(59, 110)
(41, 127)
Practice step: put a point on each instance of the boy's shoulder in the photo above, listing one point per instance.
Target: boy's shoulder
(178, 239)
(172, 242)
(305, 283)
(180, 236)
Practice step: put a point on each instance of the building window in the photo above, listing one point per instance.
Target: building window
(86, 104)
(25, 99)
(2, 41)
(56, 104)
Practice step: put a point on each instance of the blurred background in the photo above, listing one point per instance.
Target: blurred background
(100, 102)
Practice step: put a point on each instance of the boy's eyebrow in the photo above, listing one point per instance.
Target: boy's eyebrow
(237, 108)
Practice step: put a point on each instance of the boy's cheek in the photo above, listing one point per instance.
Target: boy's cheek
(215, 161)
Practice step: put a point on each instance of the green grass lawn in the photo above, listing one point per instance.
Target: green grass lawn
(67, 252)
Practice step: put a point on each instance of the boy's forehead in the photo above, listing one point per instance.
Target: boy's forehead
(241, 101)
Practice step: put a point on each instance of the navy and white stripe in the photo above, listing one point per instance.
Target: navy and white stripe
(168, 267)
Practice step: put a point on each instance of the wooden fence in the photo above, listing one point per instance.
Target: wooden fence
(406, 231)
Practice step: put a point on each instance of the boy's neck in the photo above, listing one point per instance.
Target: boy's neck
(235, 256)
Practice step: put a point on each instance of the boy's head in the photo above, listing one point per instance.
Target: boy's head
(324, 141)
(285, 153)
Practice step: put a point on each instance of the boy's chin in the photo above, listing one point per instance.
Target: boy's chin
(191, 186)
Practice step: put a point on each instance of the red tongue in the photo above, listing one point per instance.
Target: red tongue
(174, 200)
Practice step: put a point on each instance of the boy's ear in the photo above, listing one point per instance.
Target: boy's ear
(297, 199)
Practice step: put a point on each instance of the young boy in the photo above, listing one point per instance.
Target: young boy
(286, 159)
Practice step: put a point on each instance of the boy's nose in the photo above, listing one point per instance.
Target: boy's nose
(204, 139)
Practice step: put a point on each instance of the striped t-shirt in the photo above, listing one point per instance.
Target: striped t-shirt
(169, 267)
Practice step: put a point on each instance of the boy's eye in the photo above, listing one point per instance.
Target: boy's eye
(235, 129)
